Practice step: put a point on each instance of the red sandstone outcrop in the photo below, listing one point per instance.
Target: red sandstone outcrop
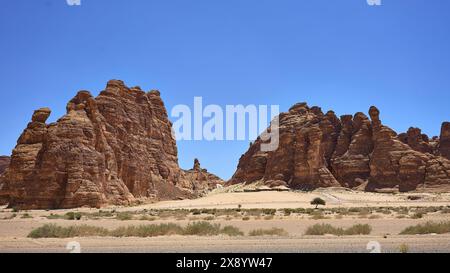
(116, 148)
(4, 163)
(202, 180)
(320, 150)
(444, 141)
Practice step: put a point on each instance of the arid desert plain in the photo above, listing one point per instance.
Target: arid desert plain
(231, 220)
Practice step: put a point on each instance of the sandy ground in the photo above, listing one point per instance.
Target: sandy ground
(277, 200)
(13, 232)
(178, 244)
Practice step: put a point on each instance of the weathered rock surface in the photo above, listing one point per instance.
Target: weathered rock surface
(320, 150)
(116, 148)
(202, 180)
(4, 163)
(444, 141)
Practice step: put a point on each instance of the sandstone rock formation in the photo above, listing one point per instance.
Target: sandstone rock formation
(321, 150)
(116, 148)
(444, 141)
(4, 163)
(202, 180)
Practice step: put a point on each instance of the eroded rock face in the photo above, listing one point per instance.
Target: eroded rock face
(201, 179)
(444, 141)
(116, 148)
(4, 163)
(320, 150)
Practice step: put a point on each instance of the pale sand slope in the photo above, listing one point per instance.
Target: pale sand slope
(277, 200)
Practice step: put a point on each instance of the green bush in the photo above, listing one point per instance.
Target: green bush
(231, 231)
(318, 202)
(269, 211)
(72, 216)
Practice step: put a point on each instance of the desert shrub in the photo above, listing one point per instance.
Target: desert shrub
(428, 228)
(322, 229)
(99, 214)
(72, 216)
(209, 211)
(55, 216)
(54, 231)
(341, 211)
(26, 216)
(147, 230)
(317, 215)
(359, 229)
(403, 248)
(10, 217)
(287, 212)
(253, 212)
(197, 228)
(196, 212)
(269, 211)
(147, 218)
(414, 197)
(402, 210)
(354, 210)
(209, 218)
(270, 232)
(245, 218)
(299, 210)
(417, 215)
(124, 216)
(202, 229)
(268, 217)
(231, 231)
(445, 210)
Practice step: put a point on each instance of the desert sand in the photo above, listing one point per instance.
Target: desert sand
(385, 226)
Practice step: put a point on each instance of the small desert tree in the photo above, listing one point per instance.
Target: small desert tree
(318, 201)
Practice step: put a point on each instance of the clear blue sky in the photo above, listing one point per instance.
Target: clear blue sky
(339, 54)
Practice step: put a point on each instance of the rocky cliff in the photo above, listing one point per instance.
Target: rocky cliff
(4, 163)
(204, 181)
(117, 148)
(321, 150)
